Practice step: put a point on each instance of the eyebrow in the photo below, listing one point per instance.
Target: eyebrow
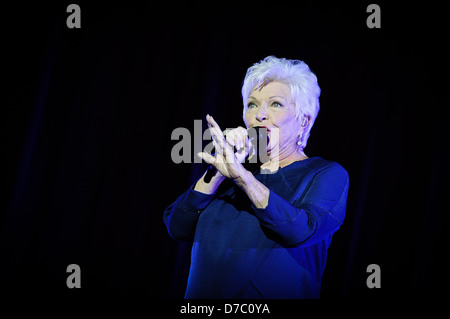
(277, 96)
(253, 98)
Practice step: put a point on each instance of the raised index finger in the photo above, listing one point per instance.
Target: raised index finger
(214, 124)
(216, 134)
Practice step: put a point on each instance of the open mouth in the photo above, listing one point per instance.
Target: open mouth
(268, 134)
(268, 129)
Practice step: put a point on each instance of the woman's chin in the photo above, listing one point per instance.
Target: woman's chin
(271, 151)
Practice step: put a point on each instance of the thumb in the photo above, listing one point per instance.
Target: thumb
(208, 158)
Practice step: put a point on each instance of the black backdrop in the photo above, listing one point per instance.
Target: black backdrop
(87, 117)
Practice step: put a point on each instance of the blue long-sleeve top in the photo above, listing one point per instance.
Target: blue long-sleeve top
(240, 251)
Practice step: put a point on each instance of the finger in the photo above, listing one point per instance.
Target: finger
(248, 143)
(236, 140)
(218, 141)
(251, 149)
(225, 148)
(214, 124)
(240, 151)
(214, 129)
(225, 145)
(208, 158)
(237, 137)
(228, 152)
(231, 138)
(243, 137)
(217, 148)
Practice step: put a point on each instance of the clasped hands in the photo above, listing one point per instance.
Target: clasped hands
(227, 160)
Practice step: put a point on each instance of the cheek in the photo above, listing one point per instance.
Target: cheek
(245, 121)
(247, 118)
(288, 128)
(284, 121)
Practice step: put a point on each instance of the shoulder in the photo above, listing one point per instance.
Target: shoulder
(320, 163)
(333, 172)
(320, 166)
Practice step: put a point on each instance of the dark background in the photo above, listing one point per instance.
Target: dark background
(87, 116)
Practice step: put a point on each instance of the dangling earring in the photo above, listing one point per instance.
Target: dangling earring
(299, 142)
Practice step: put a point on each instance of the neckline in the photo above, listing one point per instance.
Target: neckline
(299, 163)
(292, 165)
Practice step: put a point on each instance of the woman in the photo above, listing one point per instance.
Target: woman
(263, 234)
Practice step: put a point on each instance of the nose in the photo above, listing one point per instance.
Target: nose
(261, 115)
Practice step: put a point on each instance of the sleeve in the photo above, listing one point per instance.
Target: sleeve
(181, 216)
(315, 215)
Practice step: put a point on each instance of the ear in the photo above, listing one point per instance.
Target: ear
(304, 121)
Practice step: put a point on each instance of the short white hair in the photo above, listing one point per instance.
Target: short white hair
(304, 89)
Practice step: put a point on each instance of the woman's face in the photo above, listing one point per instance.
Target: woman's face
(271, 106)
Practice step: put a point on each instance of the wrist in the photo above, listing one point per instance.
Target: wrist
(210, 187)
(257, 192)
(244, 179)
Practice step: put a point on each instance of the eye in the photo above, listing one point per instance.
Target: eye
(251, 105)
(277, 104)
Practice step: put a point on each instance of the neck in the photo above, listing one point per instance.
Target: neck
(284, 159)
